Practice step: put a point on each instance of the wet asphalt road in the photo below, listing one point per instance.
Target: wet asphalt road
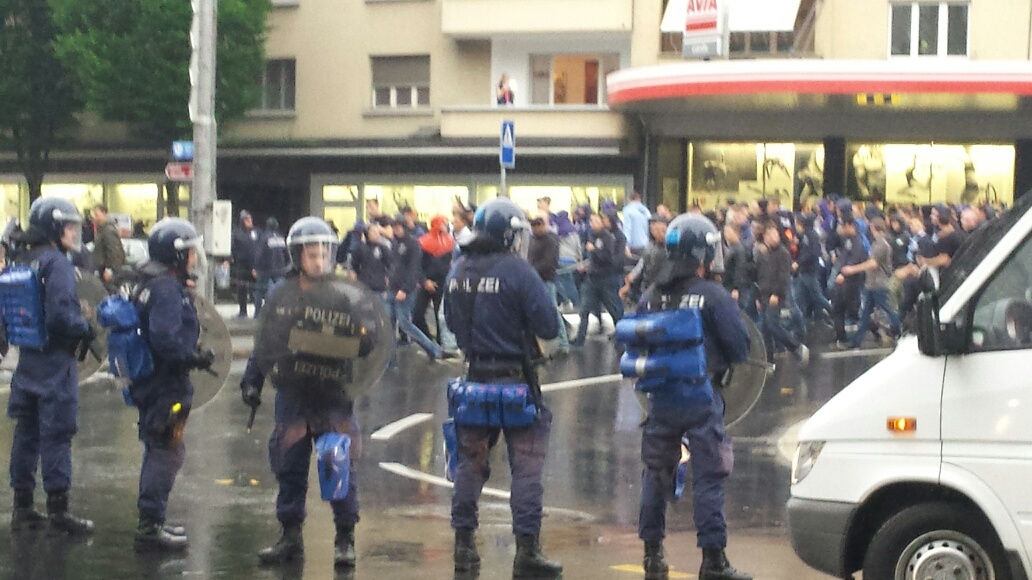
(225, 494)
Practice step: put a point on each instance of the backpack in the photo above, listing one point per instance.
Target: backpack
(21, 307)
(129, 355)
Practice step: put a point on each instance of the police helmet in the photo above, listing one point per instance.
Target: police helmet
(305, 232)
(499, 220)
(693, 240)
(49, 215)
(170, 242)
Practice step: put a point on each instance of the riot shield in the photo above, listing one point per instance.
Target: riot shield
(743, 390)
(214, 335)
(91, 292)
(333, 337)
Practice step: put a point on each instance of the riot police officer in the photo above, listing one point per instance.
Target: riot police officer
(496, 304)
(693, 246)
(44, 396)
(168, 321)
(314, 383)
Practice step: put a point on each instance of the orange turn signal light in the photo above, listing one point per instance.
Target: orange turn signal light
(902, 424)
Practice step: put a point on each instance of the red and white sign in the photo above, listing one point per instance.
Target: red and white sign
(702, 17)
(179, 171)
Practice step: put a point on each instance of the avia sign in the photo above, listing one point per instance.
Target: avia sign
(705, 29)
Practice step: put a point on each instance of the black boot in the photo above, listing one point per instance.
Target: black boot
(61, 520)
(25, 516)
(174, 530)
(151, 536)
(344, 547)
(466, 556)
(716, 567)
(530, 562)
(289, 547)
(655, 562)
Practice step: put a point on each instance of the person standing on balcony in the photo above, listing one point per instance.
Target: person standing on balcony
(504, 93)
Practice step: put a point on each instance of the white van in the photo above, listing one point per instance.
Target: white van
(922, 467)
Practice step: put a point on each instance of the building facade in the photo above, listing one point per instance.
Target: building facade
(396, 100)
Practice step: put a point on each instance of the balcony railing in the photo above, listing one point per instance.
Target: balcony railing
(486, 18)
(545, 121)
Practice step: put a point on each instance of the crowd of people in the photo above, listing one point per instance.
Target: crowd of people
(836, 263)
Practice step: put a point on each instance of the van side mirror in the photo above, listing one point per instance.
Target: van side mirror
(929, 330)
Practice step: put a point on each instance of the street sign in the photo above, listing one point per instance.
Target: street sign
(507, 155)
(182, 150)
(179, 171)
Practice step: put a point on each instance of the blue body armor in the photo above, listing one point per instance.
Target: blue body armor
(21, 307)
(665, 353)
(334, 464)
(129, 355)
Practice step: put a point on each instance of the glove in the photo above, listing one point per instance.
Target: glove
(202, 359)
(251, 395)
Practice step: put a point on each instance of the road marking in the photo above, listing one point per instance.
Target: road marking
(391, 429)
(858, 353)
(637, 569)
(581, 383)
(399, 469)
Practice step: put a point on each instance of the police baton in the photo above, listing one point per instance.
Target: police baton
(250, 420)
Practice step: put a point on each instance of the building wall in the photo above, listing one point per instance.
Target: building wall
(859, 29)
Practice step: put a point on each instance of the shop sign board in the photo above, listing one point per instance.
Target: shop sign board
(705, 29)
(179, 171)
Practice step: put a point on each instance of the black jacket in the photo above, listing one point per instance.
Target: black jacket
(243, 249)
(436, 268)
(809, 254)
(774, 272)
(602, 258)
(543, 255)
(406, 265)
(372, 265)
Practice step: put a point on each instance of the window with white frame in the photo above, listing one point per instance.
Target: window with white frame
(401, 82)
(929, 29)
(278, 82)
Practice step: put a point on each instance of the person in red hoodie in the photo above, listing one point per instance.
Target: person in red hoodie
(437, 247)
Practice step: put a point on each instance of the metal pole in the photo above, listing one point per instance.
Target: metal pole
(503, 192)
(202, 113)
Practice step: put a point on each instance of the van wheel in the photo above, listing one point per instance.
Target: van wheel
(936, 540)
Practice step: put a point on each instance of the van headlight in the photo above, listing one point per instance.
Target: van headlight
(805, 456)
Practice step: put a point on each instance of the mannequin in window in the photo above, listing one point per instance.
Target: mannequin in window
(505, 93)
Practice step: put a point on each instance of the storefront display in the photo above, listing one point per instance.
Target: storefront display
(930, 173)
(720, 173)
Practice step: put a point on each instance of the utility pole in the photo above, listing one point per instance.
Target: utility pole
(203, 32)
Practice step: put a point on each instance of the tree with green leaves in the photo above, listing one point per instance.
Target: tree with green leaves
(37, 98)
(131, 60)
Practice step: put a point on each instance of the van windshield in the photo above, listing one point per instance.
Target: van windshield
(978, 245)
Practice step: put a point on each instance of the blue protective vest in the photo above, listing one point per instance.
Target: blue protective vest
(665, 353)
(129, 355)
(21, 307)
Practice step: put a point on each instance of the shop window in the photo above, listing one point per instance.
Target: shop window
(929, 29)
(401, 82)
(83, 195)
(137, 200)
(341, 218)
(428, 200)
(570, 79)
(278, 85)
(721, 173)
(923, 173)
(562, 197)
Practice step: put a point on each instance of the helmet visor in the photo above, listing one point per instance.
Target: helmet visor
(716, 240)
(71, 236)
(197, 265)
(317, 258)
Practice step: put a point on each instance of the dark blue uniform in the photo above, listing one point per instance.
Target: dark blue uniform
(45, 388)
(272, 263)
(168, 320)
(512, 306)
(726, 340)
(303, 412)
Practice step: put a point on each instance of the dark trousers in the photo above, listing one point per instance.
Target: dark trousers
(424, 298)
(45, 425)
(163, 456)
(245, 290)
(747, 302)
(596, 292)
(871, 299)
(846, 302)
(711, 463)
(810, 296)
(774, 330)
(290, 455)
(527, 447)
